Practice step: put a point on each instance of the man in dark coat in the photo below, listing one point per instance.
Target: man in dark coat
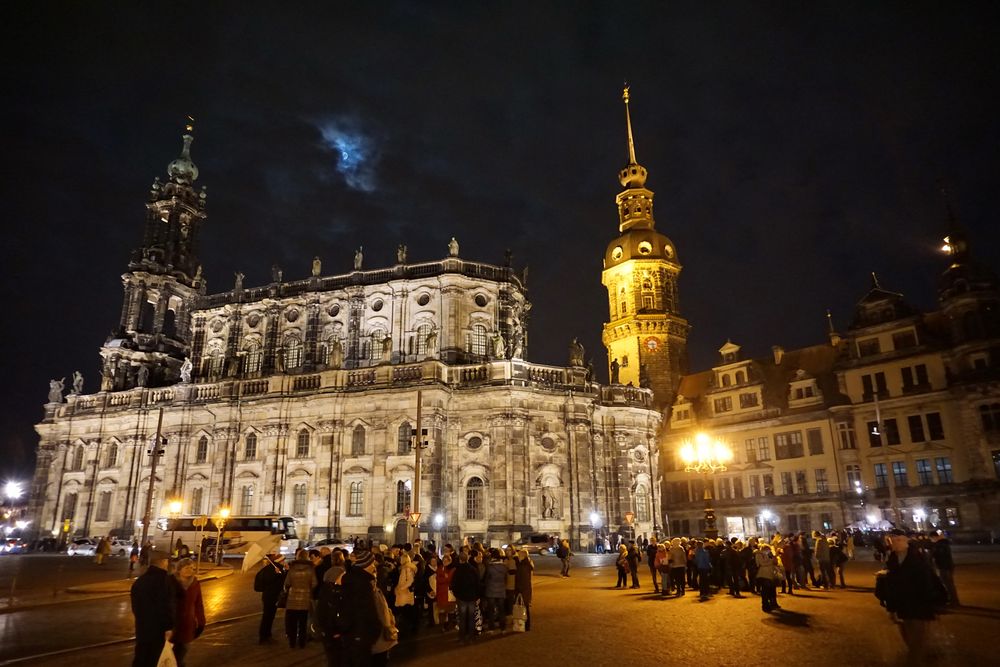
(633, 558)
(465, 584)
(269, 582)
(362, 626)
(912, 592)
(154, 598)
(945, 564)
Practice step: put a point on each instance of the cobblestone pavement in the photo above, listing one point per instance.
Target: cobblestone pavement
(581, 618)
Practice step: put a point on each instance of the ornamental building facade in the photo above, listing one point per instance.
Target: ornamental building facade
(302, 397)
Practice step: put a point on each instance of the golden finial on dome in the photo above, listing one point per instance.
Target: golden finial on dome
(628, 123)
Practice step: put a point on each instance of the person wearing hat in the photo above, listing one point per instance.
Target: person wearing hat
(154, 604)
(363, 626)
(912, 593)
(269, 582)
(767, 571)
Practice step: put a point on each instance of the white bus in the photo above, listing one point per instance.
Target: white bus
(239, 533)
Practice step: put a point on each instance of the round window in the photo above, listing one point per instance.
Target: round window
(423, 299)
(217, 326)
(253, 320)
(377, 305)
(640, 455)
(334, 310)
(617, 252)
(548, 444)
(481, 300)
(668, 251)
(292, 315)
(645, 248)
(475, 442)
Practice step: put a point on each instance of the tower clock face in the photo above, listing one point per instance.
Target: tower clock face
(652, 344)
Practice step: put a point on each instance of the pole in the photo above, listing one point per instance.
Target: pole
(415, 502)
(152, 482)
(888, 463)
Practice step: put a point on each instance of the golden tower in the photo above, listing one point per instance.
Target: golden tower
(645, 335)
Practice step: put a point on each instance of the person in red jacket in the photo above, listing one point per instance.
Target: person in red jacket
(189, 622)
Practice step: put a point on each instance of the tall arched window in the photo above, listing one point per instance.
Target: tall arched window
(302, 444)
(213, 361)
(479, 340)
(246, 499)
(293, 352)
(197, 499)
(78, 458)
(299, 500)
(474, 499)
(423, 331)
(642, 503)
(253, 358)
(356, 502)
(358, 441)
(404, 441)
(69, 506)
(111, 458)
(740, 377)
(103, 506)
(403, 495)
(250, 448)
(725, 380)
(201, 455)
(375, 349)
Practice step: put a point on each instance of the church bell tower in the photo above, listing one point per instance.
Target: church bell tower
(645, 335)
(161, 285)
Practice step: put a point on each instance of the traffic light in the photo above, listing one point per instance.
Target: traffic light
(163, 443)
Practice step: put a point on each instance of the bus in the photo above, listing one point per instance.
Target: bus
(238, 534)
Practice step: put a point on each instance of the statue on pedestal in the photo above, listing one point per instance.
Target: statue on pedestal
(358, 258)
(77, 382)
(615, 367)
(386, 350)
(401, 254)
(576, 353)
(317, 267)
(186, 369)
(453, 247)
(56, 390)
(432, 341)
(499, 347)
(142, 377)
(336, 357)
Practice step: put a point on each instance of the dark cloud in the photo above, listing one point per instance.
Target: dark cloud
(793, 150)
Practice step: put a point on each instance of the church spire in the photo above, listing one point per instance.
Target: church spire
(634, 174)
(183, 170)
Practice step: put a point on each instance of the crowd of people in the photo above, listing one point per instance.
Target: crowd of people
(364, 602)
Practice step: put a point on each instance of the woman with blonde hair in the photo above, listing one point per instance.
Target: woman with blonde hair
(189, 621)
(406, 605)
(622, 565)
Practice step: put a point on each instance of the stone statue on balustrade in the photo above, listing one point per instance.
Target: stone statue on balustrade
(142, 377)
(238, 282)
(317, 267)
(276, 273)
(401, 254)
(576, 353)
(359, 257)
(453, 247)
(499, 346)
(432, 342)
(186, 369)
(56, 390)
(336, 355)
(77, 382)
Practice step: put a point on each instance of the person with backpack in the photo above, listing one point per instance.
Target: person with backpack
(331, 611)
(565, 555)
(269, 582)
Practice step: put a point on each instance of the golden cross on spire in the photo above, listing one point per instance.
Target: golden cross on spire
(628, 123)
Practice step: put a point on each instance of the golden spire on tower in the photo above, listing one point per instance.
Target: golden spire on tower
(628, 124)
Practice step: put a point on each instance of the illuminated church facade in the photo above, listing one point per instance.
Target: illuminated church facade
(300, 397)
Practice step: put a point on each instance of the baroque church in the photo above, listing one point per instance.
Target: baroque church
(303, 397)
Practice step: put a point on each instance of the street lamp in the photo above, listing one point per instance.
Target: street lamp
(174, 510)
(13, 490)
(705, 456)
(220, 523)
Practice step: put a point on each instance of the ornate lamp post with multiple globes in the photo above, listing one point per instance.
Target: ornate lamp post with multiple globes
(706, 455)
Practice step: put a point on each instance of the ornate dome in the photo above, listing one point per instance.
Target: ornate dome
(183, 170)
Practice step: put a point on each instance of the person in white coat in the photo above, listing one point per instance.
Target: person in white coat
(406, 607)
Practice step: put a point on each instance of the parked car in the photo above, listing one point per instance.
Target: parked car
(333, 543)
(537, 544)
(82, 546)
(120, 547)
(13, 545)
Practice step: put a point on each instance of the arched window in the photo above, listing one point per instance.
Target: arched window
(211, 365)
(302, 444)
(197, 499)
(356, 502)
(375, 351)
(246, 499)
(293, 352)
(479, 340)
(253, 358)
(474, 499)
(990, 416)
(423, 331)
(111, 459)
(103, 506)
(170, 323)
(69, 506)
(78, 458)
(725, 380)
(642, 503)
(404, 442)
(299, 500)
(358, 441)
(250, 448)
(623, 308)
(740, 377)
(403, 495)
(201, 455)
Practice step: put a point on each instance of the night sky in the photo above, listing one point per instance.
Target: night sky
(793, 149)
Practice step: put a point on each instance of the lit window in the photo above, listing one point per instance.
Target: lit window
(474, 499)
(642, 503)
(924, 472)
(944, 470)
(881, 476)
(250, 448)
(357, 499)
(253, 358)
(299, 500)
(479, 340)
(403, 495)
(822, 484)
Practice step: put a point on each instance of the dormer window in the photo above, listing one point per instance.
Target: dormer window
(869, 347)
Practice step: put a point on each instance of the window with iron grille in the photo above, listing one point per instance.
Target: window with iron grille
(474, 499)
